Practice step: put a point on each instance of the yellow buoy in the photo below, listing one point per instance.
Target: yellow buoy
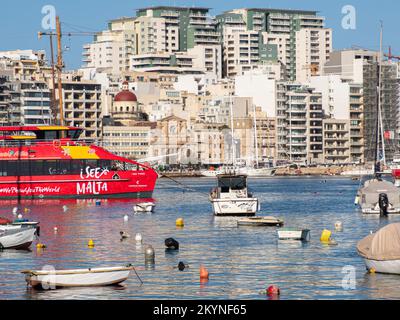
(326, 236)
(91, 243)
(180, 222)
(40, 246)
(371, 270)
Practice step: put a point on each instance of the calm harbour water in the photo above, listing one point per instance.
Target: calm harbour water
(242, 261)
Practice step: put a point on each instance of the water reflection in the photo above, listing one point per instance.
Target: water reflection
(241, 261)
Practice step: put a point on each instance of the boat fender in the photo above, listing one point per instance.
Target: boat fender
(371, 270)
(19, 217)
(15, 211)
(383, 204)
(126, 218)
(40, 246)
(171, 244)
(38, 231)
(55, 229)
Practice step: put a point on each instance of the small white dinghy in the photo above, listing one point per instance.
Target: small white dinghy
(91, 277)
(260, 221)
(294, 234)
(144, 207)
(381, 250)
(18, 234)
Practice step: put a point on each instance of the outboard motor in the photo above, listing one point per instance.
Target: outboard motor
(383, 204)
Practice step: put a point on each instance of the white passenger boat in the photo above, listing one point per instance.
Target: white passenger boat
(260, 221)
(144, 207)
(231, 197)
(294, 234)
(381, 250)
(53, 279)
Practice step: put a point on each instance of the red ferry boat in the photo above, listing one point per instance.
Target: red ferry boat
(39, 162)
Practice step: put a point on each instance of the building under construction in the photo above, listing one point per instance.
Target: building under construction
(389, 107)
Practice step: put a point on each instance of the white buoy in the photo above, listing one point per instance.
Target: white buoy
(138, 238)
(126, 218)
(338, 225)
(55, 229)
(65, 208)
(15, 211)
(19, 216)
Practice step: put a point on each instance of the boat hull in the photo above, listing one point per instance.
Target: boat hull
(260, 221)
(17, 238)
(144, 207)
(388, 266)
(302, 235)
(124, 184)
(235, 207)
(78, 278)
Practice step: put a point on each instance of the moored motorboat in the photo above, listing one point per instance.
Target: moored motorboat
(144, 207)
(231, 197)
(294, 234)
(381, 250)
(260, 221)
(91, 277)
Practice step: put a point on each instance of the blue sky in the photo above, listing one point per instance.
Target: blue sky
(20, 20)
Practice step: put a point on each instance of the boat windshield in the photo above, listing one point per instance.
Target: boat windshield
(234, 183)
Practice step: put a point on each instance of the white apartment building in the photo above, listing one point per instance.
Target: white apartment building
(178, 63)
(313, 47)
(261, 88)
(207, 58)
(111, 49)
(299, 124)
(349, 63)
(150, 36)
(241, 49)
(34, 102)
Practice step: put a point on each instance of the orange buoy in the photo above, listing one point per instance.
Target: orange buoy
(273, 290)
(203, 273)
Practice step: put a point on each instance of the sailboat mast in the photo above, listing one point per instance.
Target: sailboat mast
(380, 97)
(255, 135)
(233, 139)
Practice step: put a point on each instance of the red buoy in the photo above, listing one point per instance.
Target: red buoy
(203, 273)
(273, 290)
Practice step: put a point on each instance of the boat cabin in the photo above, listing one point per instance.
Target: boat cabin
(229, 186)
(28, 135)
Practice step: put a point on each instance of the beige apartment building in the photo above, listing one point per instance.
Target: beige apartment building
(336, 141)
(83, 106)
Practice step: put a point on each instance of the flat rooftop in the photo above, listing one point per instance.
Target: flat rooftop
(173, 8)
(293, 11)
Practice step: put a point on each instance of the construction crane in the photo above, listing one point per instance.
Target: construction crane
(390, 56)
(60, 64)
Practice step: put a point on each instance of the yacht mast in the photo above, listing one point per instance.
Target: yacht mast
(255, 135)
(380, 97)
(233, 140)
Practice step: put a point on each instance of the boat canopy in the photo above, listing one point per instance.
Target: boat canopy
(43, 132)
(232, 181)
(382, 245)
(371, 190)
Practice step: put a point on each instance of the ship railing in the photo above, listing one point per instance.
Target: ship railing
(53, 142)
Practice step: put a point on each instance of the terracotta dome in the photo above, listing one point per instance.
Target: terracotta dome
(125, 95)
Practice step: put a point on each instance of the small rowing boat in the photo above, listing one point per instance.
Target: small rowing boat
(144, 207)
(18, 234)
(91, 277)
(294, 234)
(260, 221)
